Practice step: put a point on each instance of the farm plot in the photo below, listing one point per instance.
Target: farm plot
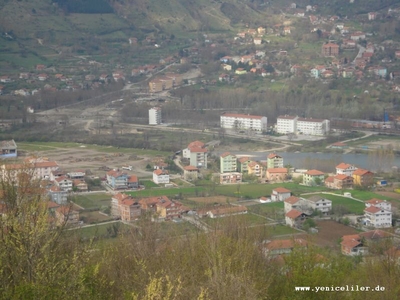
(330, 234)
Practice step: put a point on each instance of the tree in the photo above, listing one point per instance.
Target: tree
(38, 258)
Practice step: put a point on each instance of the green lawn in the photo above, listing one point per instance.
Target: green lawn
(170, 228)
(353, 206)
(366, 195)
(148, 184)
(187, 191)
(93, 201)
(272, 210)
(254, 191)
(246, 219)
(101, 230)
(276, 230)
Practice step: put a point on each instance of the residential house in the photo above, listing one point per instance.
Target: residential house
(358, 244)
(66, 215)
(198, 157)
(274, 161)
(116, 200)
(338, 182)
(43, 77)
(130, 210)
(363, 177)
(168, 209)
(345, 169)
(190, 173)
(80, 185)
(242, 164)
(227, 211)
(228, 162)
(195, 144)
(255, 168)
(8, 149)
(277, 174)
(353, 245)
(317, 71)
(313, 177)
(330, 49)
(121, 180)
(358, 35)
(64, 183)
(280, 194)
(232, 177)
(243, 122)
(317, 203)
(160, 176)
(57, 195)
(5, 79)
(292, 203)
(278, 247)
(78, 174)
(257, 41)
(378, 213)
(294, 218)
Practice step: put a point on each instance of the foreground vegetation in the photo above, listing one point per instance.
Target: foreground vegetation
(39, 261)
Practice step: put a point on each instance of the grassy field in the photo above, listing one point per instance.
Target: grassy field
(93, 217)
(246, 219)
(276, 230)
(192, 191)
(367, 195)
(148, 184)
(44, 146)
(353, 206)
(272, 210)
(93, 201)
(101, 230)
(169, 228)
(254, 191)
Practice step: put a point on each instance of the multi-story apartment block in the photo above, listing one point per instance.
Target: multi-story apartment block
(330, 49)
(233, 177)
(155, 116)
(312, 126)
(286, 124)
(227, 162)
(319, 204)
(274, 161)
(363, 177)
(242, 164)
(313, 177)
(242, 121)
(345, 169)
(294, 124)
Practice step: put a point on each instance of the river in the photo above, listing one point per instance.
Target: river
(326, 161)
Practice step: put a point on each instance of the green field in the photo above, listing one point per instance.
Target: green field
(276, 230)
(93, 201)
(45, 146)
(367, 195)
(254, 191)
(353, 206)
(187, 191)
(272, 210)
(246, 219)
(149, 184)
(101, 230)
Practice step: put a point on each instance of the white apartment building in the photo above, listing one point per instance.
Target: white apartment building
(155, 116)
(242, 121)
(286, 124)
(293, 124)
(312, 126)
(345, 169)
(378, 213)
(160, 176)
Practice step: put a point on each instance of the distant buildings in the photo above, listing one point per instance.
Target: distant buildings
(243, 122)
(155, 116)
(378, 213)
(293, 124)
(228, 163)
(196, 152)
(8, 149)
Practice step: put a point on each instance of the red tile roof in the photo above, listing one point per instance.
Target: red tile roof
(374, 201)
(329, 179)
(281, 190)
(343, 166)
(314, 173)
(342, 177)
(293, 214)
(361, 172)
(243, 159)
(277, 170)
(159, 172)
(243, 116)
(292, 200)
(225, 154)
(372, 209)
(190, 168)
(273, 155)
(287, 117)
